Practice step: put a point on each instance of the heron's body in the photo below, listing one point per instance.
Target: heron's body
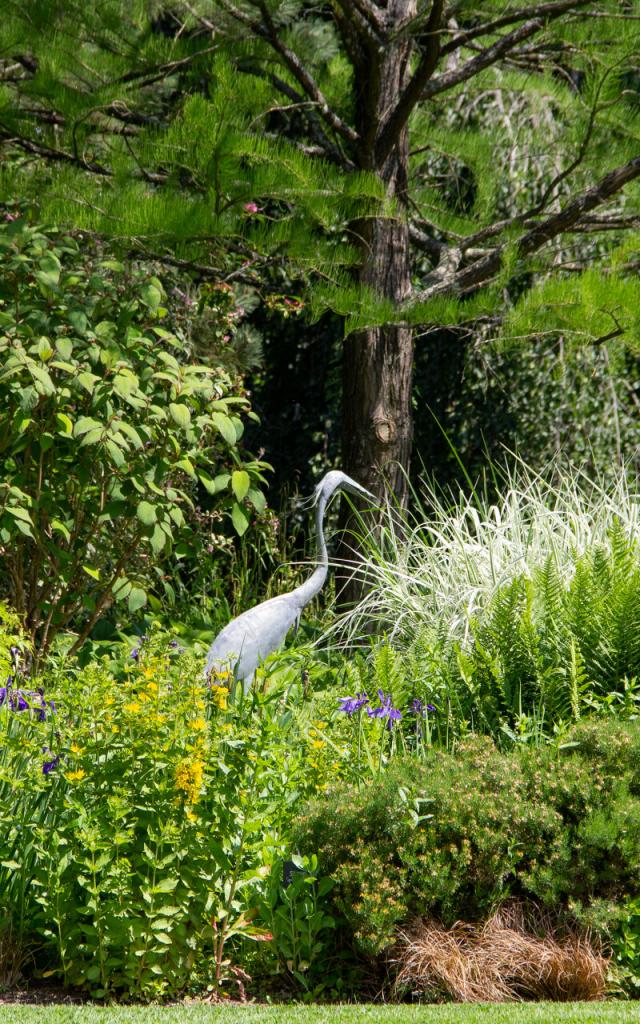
(247, 640)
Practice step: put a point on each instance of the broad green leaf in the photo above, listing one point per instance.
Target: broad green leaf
(84, 424)
(42, 381)
(92, 436)
(64, 423)
(130, 432)
(114, 450)
(56, 524)
(88, 380)
(122, 588)
(137, 599)
(165, 885)
(79, 322)
(180, 414)
(187, 466)
(240, 483)
(224, 425)
(158, 540)
(146, 513)
(94, 573)
(20, 513)
(124, 384)
(239, 519)
(151, 296)
(44, 349)
(257, 499)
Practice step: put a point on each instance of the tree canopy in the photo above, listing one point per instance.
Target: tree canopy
(414, 164)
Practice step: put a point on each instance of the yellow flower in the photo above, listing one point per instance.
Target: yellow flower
(191, 816)
(75, 776)
(198, 724)
(220, 696)
(189, 775)
(318, 744)
(320, 725)
(153, 687)
(132, 706)
(75, 749)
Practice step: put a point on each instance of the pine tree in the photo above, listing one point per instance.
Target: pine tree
(357, 143)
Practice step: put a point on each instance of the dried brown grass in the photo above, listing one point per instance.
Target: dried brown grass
(517, 954)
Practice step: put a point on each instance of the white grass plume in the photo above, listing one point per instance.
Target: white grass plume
(440, 566)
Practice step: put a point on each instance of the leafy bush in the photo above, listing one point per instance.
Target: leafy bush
(106, 430)
(140, 815)
(452, 834)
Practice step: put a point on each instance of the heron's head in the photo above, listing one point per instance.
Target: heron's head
(336, 480)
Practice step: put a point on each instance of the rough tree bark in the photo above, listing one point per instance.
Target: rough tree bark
(377, 425)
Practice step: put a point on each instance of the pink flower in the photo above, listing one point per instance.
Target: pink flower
(252, 208)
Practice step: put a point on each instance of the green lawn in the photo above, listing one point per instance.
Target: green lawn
(545, 1013)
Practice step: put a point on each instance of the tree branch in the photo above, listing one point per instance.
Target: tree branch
(399, 116)
(536, 11)
(449, 79)
(266, 30)
(481, 270)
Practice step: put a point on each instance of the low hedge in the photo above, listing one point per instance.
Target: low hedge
(451, 835)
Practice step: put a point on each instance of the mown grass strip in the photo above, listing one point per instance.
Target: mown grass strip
(535, 1013)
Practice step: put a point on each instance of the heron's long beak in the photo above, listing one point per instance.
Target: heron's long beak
(355, 488)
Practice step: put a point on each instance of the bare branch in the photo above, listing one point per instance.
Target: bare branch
(483, 269)
(57, 155)
(329, 150)
(449, 79)
(159, 71)
(535, 11)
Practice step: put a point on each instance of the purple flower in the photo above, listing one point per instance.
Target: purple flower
(352, 704)
(19, 700)
(385, 710)
(419, 708)
(49, 766)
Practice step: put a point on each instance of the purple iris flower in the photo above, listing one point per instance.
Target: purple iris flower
(19, 700)
(385, 710)
(49, 766)
(419, 708)
(352, 704)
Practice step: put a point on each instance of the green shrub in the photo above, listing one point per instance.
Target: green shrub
(106, 431)
(452, 834)
(140, 817)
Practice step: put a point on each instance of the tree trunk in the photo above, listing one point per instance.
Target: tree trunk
(378, 362)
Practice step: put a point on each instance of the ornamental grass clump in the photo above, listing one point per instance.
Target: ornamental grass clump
(515, 618)
(513, 956)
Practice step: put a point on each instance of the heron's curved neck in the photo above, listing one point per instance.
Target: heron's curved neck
(308, 590)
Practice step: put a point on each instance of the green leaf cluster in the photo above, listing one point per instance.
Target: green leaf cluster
(107, 430)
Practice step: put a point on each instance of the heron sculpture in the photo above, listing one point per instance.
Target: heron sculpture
(247, 640)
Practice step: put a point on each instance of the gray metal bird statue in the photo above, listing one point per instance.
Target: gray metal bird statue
(246, 641)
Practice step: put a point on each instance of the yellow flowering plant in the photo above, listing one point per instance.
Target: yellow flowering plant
(154, 803)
